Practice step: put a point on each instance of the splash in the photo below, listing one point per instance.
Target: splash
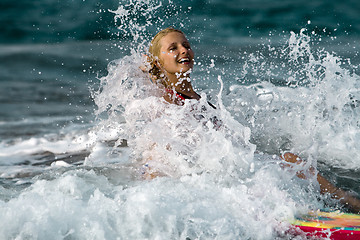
(133, 19)
(313, 110)
(185, 146)
(175, 137)
(178, 140)
(138, 20)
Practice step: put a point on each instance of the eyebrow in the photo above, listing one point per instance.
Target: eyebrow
(174, 43)
(171, 45)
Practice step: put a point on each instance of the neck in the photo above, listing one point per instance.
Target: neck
(182, 85)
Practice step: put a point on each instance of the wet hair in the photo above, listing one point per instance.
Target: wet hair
(154, 52)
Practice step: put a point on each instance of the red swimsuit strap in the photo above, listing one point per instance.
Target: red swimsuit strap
(181, 96)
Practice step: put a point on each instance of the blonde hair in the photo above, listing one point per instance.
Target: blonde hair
(154, 50)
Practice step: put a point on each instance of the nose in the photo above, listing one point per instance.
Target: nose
(183, 50)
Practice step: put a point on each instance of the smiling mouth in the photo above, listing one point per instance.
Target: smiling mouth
(184, 61)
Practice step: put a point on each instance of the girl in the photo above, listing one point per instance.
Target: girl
(171, 60)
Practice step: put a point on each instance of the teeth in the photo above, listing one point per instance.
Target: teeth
(184, 60)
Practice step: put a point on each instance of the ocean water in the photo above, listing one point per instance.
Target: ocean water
(78, 118)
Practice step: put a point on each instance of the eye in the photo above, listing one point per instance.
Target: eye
(186, 45)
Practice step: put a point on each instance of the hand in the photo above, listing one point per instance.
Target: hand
(144, 68)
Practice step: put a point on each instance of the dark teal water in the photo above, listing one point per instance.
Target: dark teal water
(52, 21)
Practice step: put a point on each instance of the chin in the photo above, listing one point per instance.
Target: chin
(186, 68)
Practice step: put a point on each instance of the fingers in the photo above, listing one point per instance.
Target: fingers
(292, 158)
(143, 68)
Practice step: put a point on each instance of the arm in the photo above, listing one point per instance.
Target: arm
(345, 198)
(350, 202)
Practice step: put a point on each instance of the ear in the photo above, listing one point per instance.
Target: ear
(159, 64)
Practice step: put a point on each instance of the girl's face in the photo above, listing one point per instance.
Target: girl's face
(176, 55)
